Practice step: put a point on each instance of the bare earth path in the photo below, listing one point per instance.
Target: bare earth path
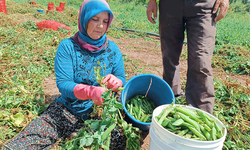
(146, 57)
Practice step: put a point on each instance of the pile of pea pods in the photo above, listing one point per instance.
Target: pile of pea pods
(189, 123)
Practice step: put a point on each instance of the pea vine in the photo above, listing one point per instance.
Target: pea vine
(96, 132)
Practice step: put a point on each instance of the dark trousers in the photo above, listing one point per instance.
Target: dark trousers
(194, 16)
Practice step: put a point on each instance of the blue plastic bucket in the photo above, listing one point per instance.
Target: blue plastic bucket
(159, 92)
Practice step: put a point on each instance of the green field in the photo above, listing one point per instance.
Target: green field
(27, 58)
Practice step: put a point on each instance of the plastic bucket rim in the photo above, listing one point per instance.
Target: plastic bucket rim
(124, 104)
(207, 142)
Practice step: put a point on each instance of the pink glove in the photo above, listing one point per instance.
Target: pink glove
(112, 82)
(84, 92)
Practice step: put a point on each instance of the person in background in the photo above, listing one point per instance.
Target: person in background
(75, 60)
(199, 19)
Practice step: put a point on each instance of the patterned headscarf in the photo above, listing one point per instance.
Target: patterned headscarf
(89, 9)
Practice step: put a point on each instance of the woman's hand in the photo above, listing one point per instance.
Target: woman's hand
(96, 95)
(84, 92)
(112, 82)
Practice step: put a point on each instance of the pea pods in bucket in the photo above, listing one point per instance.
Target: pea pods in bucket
(156, 90)
(183, 127)
(141, 108)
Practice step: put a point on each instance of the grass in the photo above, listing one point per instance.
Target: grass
(234, 29)
(232, 44)
(27, 58)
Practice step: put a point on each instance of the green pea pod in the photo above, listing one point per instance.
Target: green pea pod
(205, 118)
(192, 114)
(107, 132)
(135, 102)
(166, 110)
(218, 130)
(197, 133)
(189, 120)
(120, 88)
(193, 129)
(205, 132)
(143, 117)
(139, 113)
(131, 109)
(146, 118)
(183, 132)
(170, 124)
(213, 133)
(108, 141)
(207, 127)
(165, 122)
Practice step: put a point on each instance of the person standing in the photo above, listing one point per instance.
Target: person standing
(198, 18)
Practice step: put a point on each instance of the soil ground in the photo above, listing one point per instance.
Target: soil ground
(146, 54)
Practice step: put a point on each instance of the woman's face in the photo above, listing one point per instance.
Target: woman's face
(97, 25)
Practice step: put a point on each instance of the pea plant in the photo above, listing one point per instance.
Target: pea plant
(96, 132)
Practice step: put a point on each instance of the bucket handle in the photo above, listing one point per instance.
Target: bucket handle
(148, 87)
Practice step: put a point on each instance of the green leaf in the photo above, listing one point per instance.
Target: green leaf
(124, 125)
(89, 141)
(118, 105)
(82, 142)
(4, 114)
(102, 127)
(106, 95)
(98, 136)
(107, 121)
(18, 119)
(178, 122)
(94, 125)
(86, 122)
(112, 109)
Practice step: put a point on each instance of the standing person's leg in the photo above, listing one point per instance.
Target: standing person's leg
(201, 31)
(171, 29)
(42, 133)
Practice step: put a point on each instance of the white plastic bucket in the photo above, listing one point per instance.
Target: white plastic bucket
(162, 139)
